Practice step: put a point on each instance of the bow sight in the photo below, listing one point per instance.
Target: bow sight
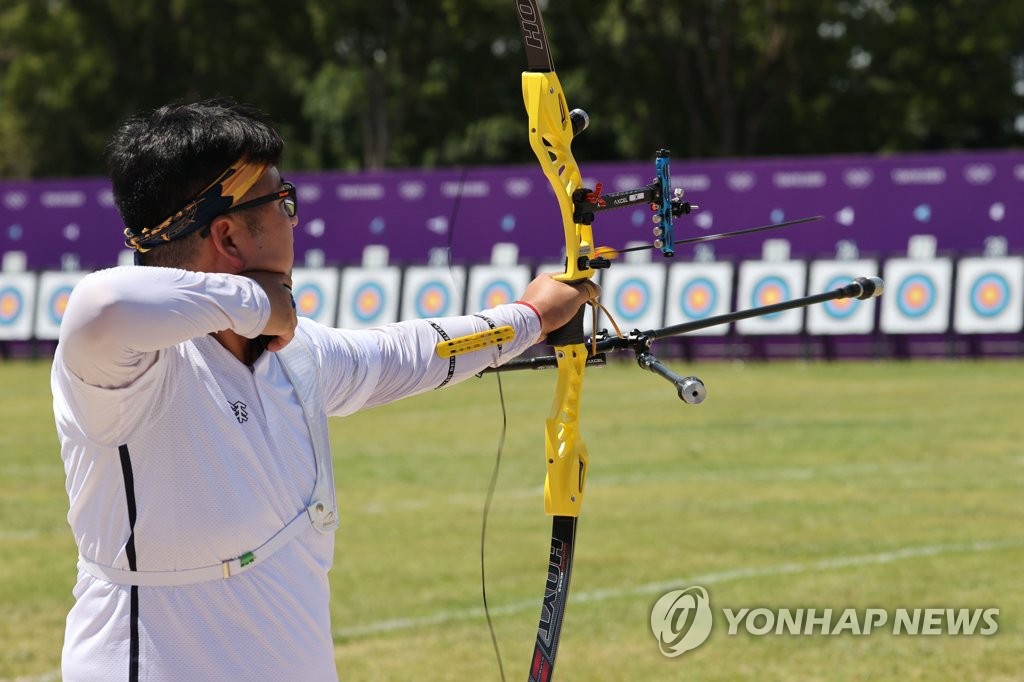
(666, 203)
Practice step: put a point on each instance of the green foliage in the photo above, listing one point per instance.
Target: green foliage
(357, 84)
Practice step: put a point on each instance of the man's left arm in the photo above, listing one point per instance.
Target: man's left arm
(375, 366)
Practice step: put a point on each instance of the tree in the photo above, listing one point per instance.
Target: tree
(397, 83)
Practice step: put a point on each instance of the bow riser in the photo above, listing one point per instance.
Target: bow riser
(551, 136)
(565, 452)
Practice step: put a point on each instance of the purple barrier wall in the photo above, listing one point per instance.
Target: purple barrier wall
(877, 202)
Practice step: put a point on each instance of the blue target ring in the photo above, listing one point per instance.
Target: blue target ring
(309, 300)
(842, 308)
(11, 304)
(699, 298)
(496, 293)
(632, 299)
(432, 300)
(916, 295)
(58, 303)
(990, 295)
(367, 301)
(769, 290)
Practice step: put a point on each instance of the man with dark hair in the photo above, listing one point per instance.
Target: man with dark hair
(191, 406)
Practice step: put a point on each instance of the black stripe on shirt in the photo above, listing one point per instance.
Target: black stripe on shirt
(451, 360)
(129, 550)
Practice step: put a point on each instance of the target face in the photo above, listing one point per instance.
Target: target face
(990, 295)
(11, 304)
(309, 300)
(916, 295)
(367, 301)
(699, 298)
(768, 291)
(58, 303)
(432, 300)
(632, 299)
(842, 308)
(495, 294)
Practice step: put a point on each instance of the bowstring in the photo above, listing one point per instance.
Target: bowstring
(492, 486)
(483, 526)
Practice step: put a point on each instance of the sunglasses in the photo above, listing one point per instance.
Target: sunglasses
(287, 194)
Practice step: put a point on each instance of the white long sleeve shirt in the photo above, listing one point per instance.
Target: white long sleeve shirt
(179, 456)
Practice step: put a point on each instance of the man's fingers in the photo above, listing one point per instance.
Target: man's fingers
(279, 342)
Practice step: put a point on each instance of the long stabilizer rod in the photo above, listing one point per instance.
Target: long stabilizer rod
(861, 288)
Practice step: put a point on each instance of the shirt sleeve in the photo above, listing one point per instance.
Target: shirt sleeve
(371, 367)
(118, 320)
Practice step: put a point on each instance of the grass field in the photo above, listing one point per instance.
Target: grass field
(857, 485)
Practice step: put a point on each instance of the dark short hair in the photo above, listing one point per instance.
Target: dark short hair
(158, 162)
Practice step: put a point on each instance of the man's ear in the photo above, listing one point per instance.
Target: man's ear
(225, 235)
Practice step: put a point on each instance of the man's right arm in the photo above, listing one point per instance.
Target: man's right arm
(117, 320)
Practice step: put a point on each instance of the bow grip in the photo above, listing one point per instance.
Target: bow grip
(571, 332)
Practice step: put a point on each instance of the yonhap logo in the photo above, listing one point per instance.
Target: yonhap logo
(681, 620)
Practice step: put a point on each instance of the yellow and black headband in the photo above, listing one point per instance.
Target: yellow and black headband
(223, 193)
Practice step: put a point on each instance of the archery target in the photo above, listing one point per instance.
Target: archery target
(368, 301)
(492, 285)
(769, 290)
(316, 293)
(917, 296)
(496, 293)
(988, 295)
(632, 299)
(11, 305)
(17, 297)
(54, 292)
(845, 315)
(763, 283)
(840, 308)
(699, 298)
(309, 300)
(58, 303)
(431, 292)
(697, 291)
(635, 294)
(432, 299)
(369, 297)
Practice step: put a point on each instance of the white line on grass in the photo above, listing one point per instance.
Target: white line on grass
(790, 473)
(782, 474)
(6, 535)
(453, 615)
(52, 676)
